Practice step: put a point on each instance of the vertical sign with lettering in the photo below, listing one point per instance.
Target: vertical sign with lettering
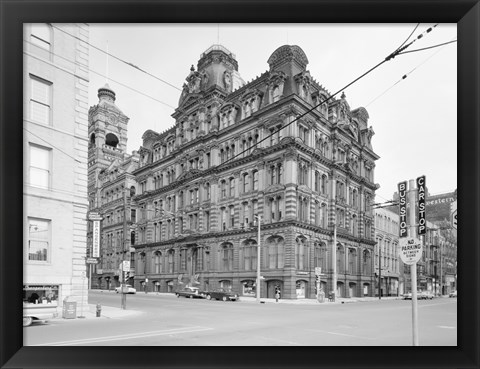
(422, 219)
(402, 203)
(96, 239)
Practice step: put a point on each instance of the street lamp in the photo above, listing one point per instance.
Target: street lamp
(259, 218)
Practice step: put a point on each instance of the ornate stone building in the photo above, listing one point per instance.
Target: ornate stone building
(110, 187)
(240, 150)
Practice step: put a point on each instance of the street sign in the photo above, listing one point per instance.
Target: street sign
(96, 239)
(92, 261)
(125, 265)
(410, 250)
(402, 203)
(422, 219)
(453, 208)
(94, 216)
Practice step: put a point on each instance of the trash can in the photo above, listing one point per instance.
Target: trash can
(69, 309)
(321, 297)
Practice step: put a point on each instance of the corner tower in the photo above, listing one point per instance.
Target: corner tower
(107, 132)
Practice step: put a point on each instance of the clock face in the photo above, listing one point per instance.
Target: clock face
(112, 119)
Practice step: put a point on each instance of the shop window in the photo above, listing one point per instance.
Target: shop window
(40, 294)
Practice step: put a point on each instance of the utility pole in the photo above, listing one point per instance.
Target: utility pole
(379, 271)
(413, 268)
(259, 218)
(125, 247)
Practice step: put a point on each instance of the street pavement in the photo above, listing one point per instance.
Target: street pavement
(162, 319)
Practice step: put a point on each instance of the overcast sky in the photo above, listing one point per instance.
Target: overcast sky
(414, 119)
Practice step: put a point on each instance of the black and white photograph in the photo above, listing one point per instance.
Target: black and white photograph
(213, 185)
(258, 185)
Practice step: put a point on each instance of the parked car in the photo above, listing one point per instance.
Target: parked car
(407, 296)
(452, 294)
(128, 287)
(425, 295)
(191, 292)
(221, 294)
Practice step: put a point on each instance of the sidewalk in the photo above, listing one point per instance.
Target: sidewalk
(338, 300)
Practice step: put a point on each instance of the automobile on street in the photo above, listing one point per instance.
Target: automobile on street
(128, 289)
(425, 295)
(453, 294)
(221, 294)
(191, 292)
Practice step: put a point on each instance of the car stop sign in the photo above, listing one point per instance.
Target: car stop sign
(454, 214)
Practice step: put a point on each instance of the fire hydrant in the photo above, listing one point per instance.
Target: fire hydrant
(99, 310)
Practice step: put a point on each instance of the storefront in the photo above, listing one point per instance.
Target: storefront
(40, 301)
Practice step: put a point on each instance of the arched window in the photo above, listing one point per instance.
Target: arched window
(275, 252)
(340, 259)
(352, 261)
(171, 261)
(232, 187)
(366, 262)
(226, 257)
(248, 255)
(246, 183)
(301, 253)
(111, 140)
(320, 256)
(255, 180)
(157, 262)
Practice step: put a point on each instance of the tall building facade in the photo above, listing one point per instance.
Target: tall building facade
(242, 153)
(55, 170)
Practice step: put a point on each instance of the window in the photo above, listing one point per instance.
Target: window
(301, 254)
(171, 261)
(232, 216)
(232, 187)
(207, 221)
(250, 255)
(223, 185)
(40, 35)
(157, 262)
(38, 239)
(39, 171)
(275, 250)
(255, 180)
(208, 191)
(246, 183)
(40, 97)
(227, 256)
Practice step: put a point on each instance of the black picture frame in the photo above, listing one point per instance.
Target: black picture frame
(466, 13)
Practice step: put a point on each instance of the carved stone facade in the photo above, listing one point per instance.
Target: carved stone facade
(237, 151)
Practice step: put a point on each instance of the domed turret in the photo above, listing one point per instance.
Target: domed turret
(289, 59)
(106, 93)
(216, 68)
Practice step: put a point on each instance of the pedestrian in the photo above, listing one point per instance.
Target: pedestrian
(277, 296)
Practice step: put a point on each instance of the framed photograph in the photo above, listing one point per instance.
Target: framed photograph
(123, 83)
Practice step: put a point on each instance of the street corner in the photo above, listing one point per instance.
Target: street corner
(109, 312)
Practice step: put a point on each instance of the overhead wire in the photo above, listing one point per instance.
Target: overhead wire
(388, 58)
(97, 73)
(117, 58)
